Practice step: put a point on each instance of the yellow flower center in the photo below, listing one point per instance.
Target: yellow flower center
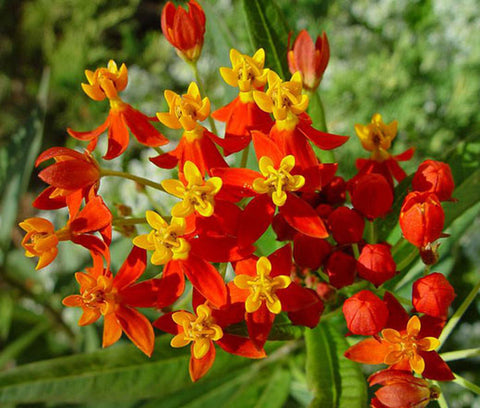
(198, 195)
(200, 329)
(102, 297)
(262, 287)
(377, 136)
(277, 182)
(106, 82)
(165, 240)
(406, 345)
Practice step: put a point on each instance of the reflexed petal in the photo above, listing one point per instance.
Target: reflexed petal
(155, 220)
(391, 335)
(199, 367)
(138, 328)
(174, 187)
(368, 351)
(179, 341)
(112, 330)
(413, 326)
(417, 364)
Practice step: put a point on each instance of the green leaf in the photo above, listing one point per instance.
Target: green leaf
(6, 311)
(20, 155)
(335, 381)
(268, 30)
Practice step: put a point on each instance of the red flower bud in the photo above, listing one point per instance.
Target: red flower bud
(335, 191)
(434, 177)
(326, 292)
(421, 218)
(432, 295)
(310, 252)
(365, 313)
(372, 195)
(184, 30)
(376, 263)
(341, 269)
(346, 225)
(308, 58)
(401, 389)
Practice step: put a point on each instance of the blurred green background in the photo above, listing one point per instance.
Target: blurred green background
(414, 61)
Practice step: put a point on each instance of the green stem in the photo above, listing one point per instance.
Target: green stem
(396, 247)
(243, 162)
(137, 179)
(119, 222)
(222, 269)
(202, 93)
(460, 354)
(442, 402)
(356, 251)
(458, 315)
(406, 261)
(466, 384)
(158, 150)
(371, 232)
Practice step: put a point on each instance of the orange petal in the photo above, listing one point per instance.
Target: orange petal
(368, 351)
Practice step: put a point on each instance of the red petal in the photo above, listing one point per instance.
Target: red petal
(112, 330)
(435, 367)
(368, 351)
(140, 126)
(199, 367)
(137, 327)
(295, 298)
(166, 324)
(310, 252)
(91, 134)
(174, 268)
(118, 136)
(166, 161)
(206, 279)
(240, 346)
(406, 155)
(281, 261)
(256, 217)
(259, 324)
(325, 141)
(301, 216)
(309, 316)
(44, 202)
(397, 315)
(70, 174)
(132, 268)
(237, 183)
(93, 217)
(295, 143)
(59, 152)
(264, 146)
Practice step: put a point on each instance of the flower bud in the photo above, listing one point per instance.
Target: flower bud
(365, 313)
(432, 295)
(341, 269)
(376, 263)
(309, 58)
(346, 225)
(184, 30)
(372, 195)
(434, 177)
(421, 218)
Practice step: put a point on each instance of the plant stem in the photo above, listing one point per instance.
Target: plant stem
(356, 252)
(137, 179)
(397, 245)
(458, 315)
(202, 93)
(119, 222)
(466, 384)
(371, 232)
(158, 150)
(243, 162)
(460, 354)
(406, 261)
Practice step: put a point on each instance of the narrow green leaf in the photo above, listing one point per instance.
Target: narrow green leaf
(16, 347)
(276, 392)
(21, 154)
(268, 30)
(335, 381)
(6, 311)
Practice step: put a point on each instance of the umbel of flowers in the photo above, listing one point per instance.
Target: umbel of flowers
(324, 222)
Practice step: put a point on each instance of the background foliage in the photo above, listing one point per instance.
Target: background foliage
(414, 61)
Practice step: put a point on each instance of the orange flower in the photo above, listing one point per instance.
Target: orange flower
(309, 58)
(116, 297)
(184, 30)
(107, 83)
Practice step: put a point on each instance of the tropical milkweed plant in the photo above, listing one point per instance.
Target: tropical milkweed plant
(261, 273)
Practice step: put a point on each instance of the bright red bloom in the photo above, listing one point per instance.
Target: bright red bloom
(72, 177)
(309, 252)
(197, 143)
(106, 83)
(372, 195)
(242, 115)
(410, 347)
(116, 297)
(202, 330)
(265, 287)
(41, 239)
(184, 30)
(421, 218)
(309, 58)
(434, 177)
(365, 313)
(376, 263)
(346, 225)
(432, 295)
(400, 389)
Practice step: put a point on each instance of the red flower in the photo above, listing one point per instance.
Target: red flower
(202, 330)
(341, 269)
(432, 295)
(376, 263)
(365, 313)
(309, 58)
(421, 218)
(116, 297)
(106, 83)
(346, 225)
(71, 178)
(401, 389)
(265, 287)
(372, 195)
(434, 177)
(184, 30)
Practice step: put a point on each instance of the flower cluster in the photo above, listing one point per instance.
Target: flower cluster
(326, 224)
